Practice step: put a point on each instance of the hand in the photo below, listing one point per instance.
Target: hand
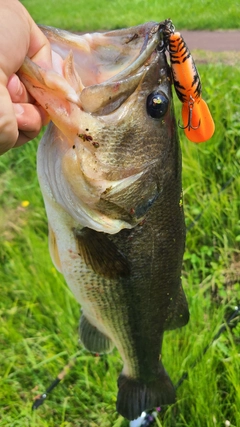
(20, 119)
(30, 118)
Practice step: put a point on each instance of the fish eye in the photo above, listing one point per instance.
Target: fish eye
(157, 105)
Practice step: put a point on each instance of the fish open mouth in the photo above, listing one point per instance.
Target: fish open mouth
(112, 55)
(100, 70)
(108, 66)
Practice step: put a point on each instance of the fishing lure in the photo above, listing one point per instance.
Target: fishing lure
(198, 123)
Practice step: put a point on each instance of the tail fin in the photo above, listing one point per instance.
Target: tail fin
(201, 120)
(135, 396)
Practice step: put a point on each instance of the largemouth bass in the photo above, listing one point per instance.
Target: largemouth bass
(109, 167)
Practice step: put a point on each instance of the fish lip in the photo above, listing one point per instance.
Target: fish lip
(144, 54)
(121, 85)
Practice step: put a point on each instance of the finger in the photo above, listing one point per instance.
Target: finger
(39, 50)
(17, 90)
(8, 122)
(30, 119)
(24, 137)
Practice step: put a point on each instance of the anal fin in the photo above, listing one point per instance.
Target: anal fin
(92, 339)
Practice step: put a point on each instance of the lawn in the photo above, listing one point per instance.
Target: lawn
(38, 314)
(80, 15)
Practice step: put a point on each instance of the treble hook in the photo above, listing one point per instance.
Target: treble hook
(190, 110)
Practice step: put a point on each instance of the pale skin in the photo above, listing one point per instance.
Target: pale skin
(20, 118)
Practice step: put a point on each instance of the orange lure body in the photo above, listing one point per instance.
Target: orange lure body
(198, 123)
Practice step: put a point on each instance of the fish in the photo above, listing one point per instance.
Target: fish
(109, 168)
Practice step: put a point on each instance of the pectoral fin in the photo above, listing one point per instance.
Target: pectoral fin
(101, 254)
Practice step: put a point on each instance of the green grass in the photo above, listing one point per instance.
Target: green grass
(81, 15)
(39, 316)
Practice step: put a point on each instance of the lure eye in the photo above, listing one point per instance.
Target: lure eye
(157, 105)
